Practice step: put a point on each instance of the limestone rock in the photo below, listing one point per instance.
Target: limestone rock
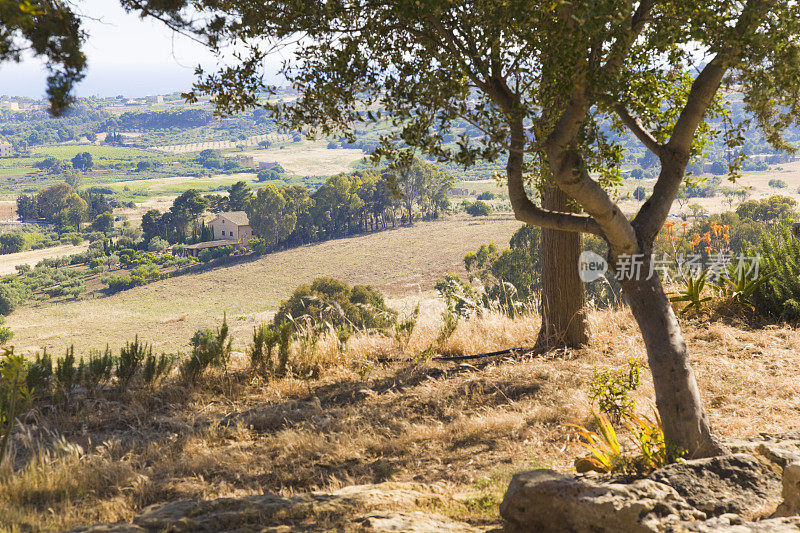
(726, 484)
(734, 524)
(544, 500)
(790, 491)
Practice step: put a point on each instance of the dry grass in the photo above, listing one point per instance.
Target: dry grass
(466, 426)
(310, 158)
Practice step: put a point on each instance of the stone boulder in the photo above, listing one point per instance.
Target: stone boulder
(726, 484)
(790, 491)
(544, 500)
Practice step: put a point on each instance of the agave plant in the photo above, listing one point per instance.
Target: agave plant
(693, 293)
(740, 287)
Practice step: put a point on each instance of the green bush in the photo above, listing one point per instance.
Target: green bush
(209, 348)
(14, 394)
(611, 391)
(779, 295)
(330, 301)
(131, 357)
(269, 352)
(478, 209)
(11, 295)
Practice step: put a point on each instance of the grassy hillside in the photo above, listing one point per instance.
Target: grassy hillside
(463, 428)
(402, 262)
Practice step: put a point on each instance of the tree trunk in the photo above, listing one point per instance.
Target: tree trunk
(684, 419)
(563, 293)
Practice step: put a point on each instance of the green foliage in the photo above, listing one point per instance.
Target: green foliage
(477, 208)
(330, 301)
(66, 374)
(156, 368)
(775, 210)
(404, 328)
(131, 358)
(777, 183)
(40, 374)
(740, 285)
(11, 295)
(611, 390)
(651, 450)
(693, 293)
(96, 369)
(15, 395)
(5, 332)
(778, 296)
(511, 278)
(51, 31)
(209, 349)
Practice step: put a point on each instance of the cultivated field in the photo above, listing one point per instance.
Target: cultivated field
(31, 257)
(403, 262)
(310, 158)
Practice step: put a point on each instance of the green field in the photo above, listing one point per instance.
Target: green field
(107, 152)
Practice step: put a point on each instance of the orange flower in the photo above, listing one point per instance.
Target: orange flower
(695, 240)
(707, 237)
(708, 249)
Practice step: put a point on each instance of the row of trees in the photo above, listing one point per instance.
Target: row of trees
(289, 216)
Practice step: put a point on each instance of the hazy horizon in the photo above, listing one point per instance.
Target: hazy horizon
(126, 56)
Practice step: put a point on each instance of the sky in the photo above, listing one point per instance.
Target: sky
(126, 56)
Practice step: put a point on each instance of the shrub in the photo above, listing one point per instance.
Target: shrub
(96, 369)
(478, 209)
(209, 348)
(330, 301)
(131, 357)
(157, 244)
(778, 296)
(5, 332)
(487, 195)
(40, 372)
(777, 184)
(269, 351)
(118, 283)
(611, 391)
(66, 374)
(12, 242)
(11, 295)
(14, 394)
(155, 368)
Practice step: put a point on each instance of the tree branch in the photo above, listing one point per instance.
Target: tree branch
(524, 209)
(675, 154)
(637, 128)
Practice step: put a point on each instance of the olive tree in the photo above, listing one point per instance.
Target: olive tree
(539, 80)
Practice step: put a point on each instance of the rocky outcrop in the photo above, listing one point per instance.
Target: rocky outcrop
(544, 500)
(704, 496)
(382, 507)
(790, 491)
(720, 485)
